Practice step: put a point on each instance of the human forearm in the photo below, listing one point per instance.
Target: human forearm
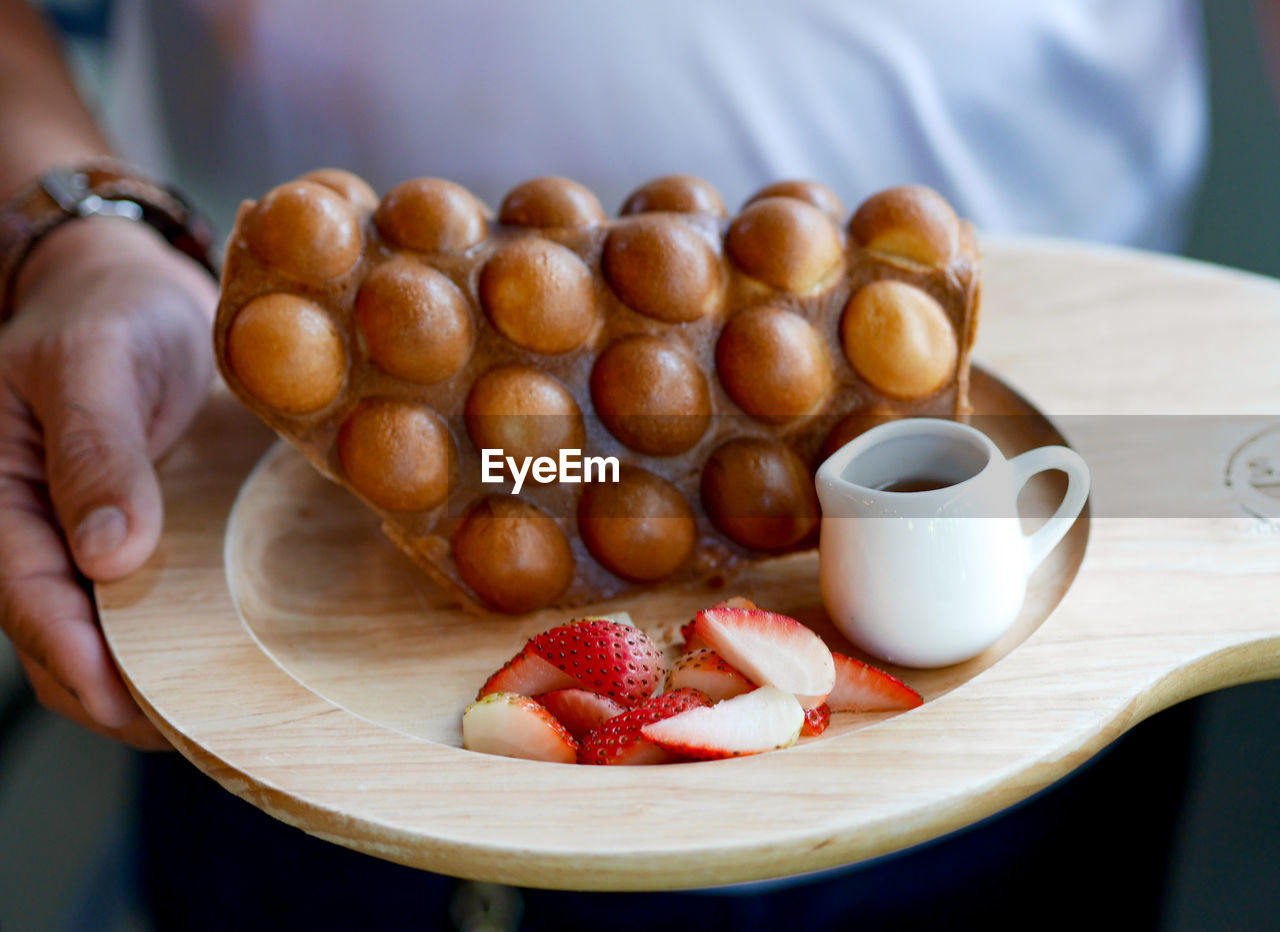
(43, 119)
(104, 360)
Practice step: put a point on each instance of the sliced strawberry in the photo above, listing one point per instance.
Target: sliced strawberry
(816, 720)
(579, 710)
(705, 670)
(515, 726)
(618, 740)
(527, 674)
(861, 687)
(771, 650)
(691, 641)
(761, 720)
(613, 659)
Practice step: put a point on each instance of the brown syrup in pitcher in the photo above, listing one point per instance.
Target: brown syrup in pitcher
(915, 484)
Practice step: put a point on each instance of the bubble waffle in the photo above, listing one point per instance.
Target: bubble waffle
(718, 358)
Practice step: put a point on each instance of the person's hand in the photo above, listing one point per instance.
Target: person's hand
(102, 366)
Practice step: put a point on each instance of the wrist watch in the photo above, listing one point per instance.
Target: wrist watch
(96, 188)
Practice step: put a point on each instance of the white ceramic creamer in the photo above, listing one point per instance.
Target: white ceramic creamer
(933, 576)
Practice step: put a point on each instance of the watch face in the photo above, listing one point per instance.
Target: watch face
(67, 187)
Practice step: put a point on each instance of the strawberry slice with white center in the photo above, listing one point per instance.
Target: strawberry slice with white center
(708, 672)
(771, 650)
(515, 726)
(762, 720)
(618, 741)
(603, 656)
(691, 641)
(527, 674)
(861, 687)
(579, 710)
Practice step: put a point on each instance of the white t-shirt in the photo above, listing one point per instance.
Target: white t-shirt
(1082, 118)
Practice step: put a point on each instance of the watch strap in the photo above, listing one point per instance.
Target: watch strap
(98, 187)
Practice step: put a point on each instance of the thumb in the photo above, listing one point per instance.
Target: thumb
(101, 480)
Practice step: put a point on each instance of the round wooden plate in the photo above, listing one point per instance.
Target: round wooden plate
(292, 654)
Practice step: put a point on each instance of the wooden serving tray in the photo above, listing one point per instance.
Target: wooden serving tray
(293, 655)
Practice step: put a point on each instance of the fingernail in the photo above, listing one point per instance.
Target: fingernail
(100, 533)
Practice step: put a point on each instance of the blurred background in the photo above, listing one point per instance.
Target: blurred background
(64, 794)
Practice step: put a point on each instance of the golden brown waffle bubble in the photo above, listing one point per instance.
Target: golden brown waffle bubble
(640, 527)
(511, 554)
(415, 321)
(354, 188)
(899, 339)
(681, 194)
(523, 412)
(659, 266)
(287, 353)
(431, 215)
(910, 222)
(306, 230)
(397, 454)
(811, 192)
(785, 242)
(773, 364)
(551, 202)
(539, 295)
(651, 394)
(759, 493)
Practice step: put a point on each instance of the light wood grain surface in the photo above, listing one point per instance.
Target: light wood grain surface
(295, 657)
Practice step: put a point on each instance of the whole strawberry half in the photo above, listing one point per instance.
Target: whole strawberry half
(618, 740)
(615, 660)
